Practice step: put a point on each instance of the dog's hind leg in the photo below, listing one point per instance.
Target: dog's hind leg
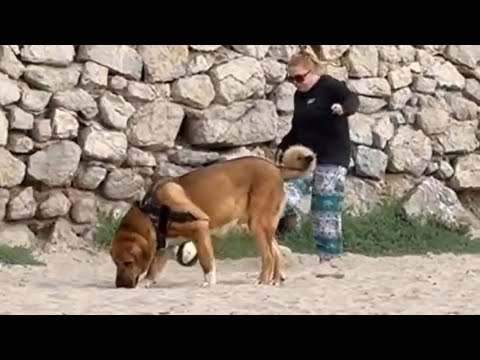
(203, 242)
(156, 268)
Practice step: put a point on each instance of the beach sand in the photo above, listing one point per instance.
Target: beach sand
(80, 283)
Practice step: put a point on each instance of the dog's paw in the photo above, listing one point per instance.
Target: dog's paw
(146, 284)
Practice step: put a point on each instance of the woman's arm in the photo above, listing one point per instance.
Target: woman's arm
(346, 98)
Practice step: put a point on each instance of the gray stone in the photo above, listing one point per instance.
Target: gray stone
(51, 78)
(425, 59)
(407, 54)
(397, 118)
(9, 63)
(35, 101)
(83, 210)
(468, 55)
(255, 51)
(56, 55)
(164, 63)
(462, 109)
(117, 84)
(77, 100)
(199, 62)
(120, 59)
(433, 120)
(284, 124)
(370, 105)
(140, 92)
(445, 170)
(370, 163)
(56, 204)
(460, 137)
(13, 170)
(467, 170)
(409, 151)
(155, 125)
(282, 53)
(193, 158)
(42, 130)
(400, 78)
(332, 52)
(4, 125)
(9, 91)
(94, 78)
(388, 54)
(62, 237)
(166, 170)
(374, 87)
(275, 72)
(400, 98)
(20, 119)
(64, 124)
(362, 61)
(17, 235)
(196, 91)
(361, 195)
(103, 145)
(361, 129)
(123, 184)
(447, 76)
(283, 97)
(89, 177)
(409, 113)
(138, 157)
(424, 85)
(472, 90)
(115, 110)
(19, 143)
(382, 131)
(337, 72)
(206, 48)
(22, 206)
(56, 164)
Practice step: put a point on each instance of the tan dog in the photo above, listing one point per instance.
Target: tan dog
(248, 190)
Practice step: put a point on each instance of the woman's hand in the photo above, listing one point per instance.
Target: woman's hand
(337, 109)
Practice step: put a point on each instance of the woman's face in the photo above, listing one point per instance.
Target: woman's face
(302, 77)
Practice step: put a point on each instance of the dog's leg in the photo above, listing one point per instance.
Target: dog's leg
(278, 275)
(264, 242)
(203, 242)
(156, 268)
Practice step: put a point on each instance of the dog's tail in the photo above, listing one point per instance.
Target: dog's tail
(297, 161)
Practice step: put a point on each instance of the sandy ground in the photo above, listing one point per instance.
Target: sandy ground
(77, 283)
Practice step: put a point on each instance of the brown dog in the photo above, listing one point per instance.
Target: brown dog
(248, 190)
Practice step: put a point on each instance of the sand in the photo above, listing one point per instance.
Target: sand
(81, 283)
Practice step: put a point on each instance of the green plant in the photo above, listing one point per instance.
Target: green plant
(105, 230)
(17, 256)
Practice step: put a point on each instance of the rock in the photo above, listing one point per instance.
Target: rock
(50, 78)
(389, 54)
(409, 113)
(375, 87)
(42, 130)
(332, 52)
(397, 186)
(238, 80)
(235, 153)
(415, 68)
(103, 145)
(433, 200)
(207, 48)
(193, 158)
(397, 118)
(22, 206)
(284, 124)
(256, 51)
(400, 98)
(9, 64)
(140, 92)
(360, 195)
(19, 143)
(362, 61)
(164, 63)
(61, 236)
(467, 173)
(433, 120)
(409, 151)
(462, 109)
(459, 138)
(55, 165)
(382, 131)
(434, 49)
(56, 204)
(20, 119)
(64, 124)
(436, 102)
(370, 105)
(425, 59)
(137, 157)
(4, 125)
(77, 100)
(196, 91)
(117, 84)
(472, 90)
(283, 53)
(432, 168)
(13, 170)
(283, 97)
(9, 91)
(123, 184)
(337, 72)
(115, 110)
(370, 163)
(35, 101)
(400, 78)
(445, 170)
(56, 55)
(170, 170)
(83, 210)
(275, 72)
(361, 129)
(225, 125)
(468, 55)
(407, 54)
(447, 76)
(424, 85)
(120, 59)
(89, 177)
(94, 78)
(200, 62)
(17, 235)
(4, 199)
(163, 91)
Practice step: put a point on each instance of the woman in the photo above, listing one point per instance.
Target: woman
(320, 121)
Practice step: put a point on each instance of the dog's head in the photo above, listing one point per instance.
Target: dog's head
(299, 157)
(130, 255)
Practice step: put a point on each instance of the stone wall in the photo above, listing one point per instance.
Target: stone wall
(86, 129)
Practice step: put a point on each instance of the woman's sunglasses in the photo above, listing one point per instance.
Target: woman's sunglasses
(299, 78)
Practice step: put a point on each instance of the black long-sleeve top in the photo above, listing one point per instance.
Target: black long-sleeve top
(314, 125)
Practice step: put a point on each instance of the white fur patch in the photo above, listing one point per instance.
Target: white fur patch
(211, 277)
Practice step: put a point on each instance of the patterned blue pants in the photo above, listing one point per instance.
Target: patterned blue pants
(327, 190)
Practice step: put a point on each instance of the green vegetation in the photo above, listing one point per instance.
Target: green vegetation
(105, 230)
(17, 256)
(383, 231)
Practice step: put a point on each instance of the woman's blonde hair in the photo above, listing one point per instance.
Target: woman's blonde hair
(307, 59)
